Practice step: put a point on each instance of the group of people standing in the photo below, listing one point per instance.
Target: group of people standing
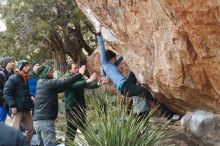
(15, 98)
(22, 93)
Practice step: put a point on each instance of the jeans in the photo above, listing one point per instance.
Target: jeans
(3, 114)
(45, 131)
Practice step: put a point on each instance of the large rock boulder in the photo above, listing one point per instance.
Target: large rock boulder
(203, 125)
(175, 44)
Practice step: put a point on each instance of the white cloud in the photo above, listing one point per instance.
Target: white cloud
(3, 2)
(2, 25)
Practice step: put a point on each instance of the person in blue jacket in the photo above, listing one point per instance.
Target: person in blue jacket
(32, 81)
(124, 86)
(109, 68)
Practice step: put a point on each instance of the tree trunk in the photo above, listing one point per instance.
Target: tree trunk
(75, 43)
(55, 44)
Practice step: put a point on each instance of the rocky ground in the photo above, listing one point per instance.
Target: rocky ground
(181, 138)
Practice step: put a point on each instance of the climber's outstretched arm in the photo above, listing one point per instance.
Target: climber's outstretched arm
(101, 44)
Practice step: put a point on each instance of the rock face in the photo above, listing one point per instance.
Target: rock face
(204, 126)
(175, 44)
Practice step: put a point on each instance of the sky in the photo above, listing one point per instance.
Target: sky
(2, 24)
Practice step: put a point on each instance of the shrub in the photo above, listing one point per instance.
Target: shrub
(108, 124)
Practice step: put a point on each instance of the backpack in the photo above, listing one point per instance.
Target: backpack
(3, 74)
(2, 85)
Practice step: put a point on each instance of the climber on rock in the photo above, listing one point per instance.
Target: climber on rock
(108, 59)
(126, 88)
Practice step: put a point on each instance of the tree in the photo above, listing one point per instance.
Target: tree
(46, 29)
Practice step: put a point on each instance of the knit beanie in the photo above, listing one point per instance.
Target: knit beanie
(6, 60)
(43, 71)
(34, 63)
(21, 64)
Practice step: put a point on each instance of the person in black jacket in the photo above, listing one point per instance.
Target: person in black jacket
(18, 99)
(10, 136)
(7, 70)
(46, 103)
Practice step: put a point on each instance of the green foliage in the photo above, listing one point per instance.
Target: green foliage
(108, 124)
(30, 21)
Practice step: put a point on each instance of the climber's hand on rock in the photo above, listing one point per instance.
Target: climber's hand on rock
(82, 69)
(98, 27)
(92, 78)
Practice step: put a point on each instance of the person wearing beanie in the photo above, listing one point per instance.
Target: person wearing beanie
(21, 64)
(5, 72)
(34, 63)
(46, 102)
(18, 99)
(7, 60)
(32, 81)
(43, 71)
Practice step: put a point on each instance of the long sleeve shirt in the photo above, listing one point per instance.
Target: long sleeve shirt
(74, 95)
(117, 62)
(32, 83)
(110, 69)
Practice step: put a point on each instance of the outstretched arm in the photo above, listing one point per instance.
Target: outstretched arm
(101, 44)
(85, 83)
(62, 84)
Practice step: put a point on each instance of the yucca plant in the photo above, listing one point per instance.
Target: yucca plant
(107, 124)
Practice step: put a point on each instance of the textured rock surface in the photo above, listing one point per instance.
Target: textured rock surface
(174, 43)
(203, 125)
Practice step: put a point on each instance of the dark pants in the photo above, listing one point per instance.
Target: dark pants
(75, 120)
(128, 90)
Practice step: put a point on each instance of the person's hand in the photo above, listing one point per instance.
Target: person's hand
(92, 78)
(98, 27)
(82, 69)
(103, 80)
(33, 99)
(141, 79)
(13, 111)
